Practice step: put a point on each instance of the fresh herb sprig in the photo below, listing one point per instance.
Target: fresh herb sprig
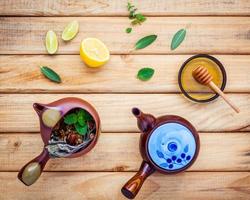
(135, 17)
(80, 121)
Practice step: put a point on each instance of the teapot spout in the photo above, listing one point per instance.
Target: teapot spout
(145, 122)
(38, 108)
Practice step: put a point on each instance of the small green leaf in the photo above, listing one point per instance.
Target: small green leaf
(70, 119)
(85, 114)
(50, 74)
(144, 42)
(179, 36)
(140, 17)
(80, 113)
(82, 130)
(145, 74)
(130, 6)
(128, 30)
(81, 120)
(88, 117)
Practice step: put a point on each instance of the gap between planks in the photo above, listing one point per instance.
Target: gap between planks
(116, 77)
(115, 8)
(205, 35)
(107, 186)
(17, 114)
(17, 149)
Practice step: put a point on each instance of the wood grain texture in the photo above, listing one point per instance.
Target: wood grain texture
(222, 28)
(118, 7)
(17, 114)
(219, 152)
(21, 73)
(106, 186)
(216, 35)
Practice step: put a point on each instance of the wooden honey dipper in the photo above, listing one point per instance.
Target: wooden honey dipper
(202, 76)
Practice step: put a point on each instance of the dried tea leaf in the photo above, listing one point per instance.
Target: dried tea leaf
(145, 74)
(179, 36)
(50, 74)
(145, 41)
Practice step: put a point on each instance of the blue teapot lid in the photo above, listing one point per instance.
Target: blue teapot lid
(171, 146)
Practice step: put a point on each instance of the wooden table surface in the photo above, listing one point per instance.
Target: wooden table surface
(220, 28)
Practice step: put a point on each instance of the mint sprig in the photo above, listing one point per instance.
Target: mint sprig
(80, 121)
(136, 17)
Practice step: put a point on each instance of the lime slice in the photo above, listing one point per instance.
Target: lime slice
(70, 31)
(51, 42)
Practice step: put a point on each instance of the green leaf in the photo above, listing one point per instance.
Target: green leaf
(145, 74)
(80, 113)
(70, 119)
(82, 130)
(83, 116)
(129, 6)
(140, 17)
(81, 120)
(132, 14)
(128, 30)
(144, 42)
(179, 36)
(50, 74)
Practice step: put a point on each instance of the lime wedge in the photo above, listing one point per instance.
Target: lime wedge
(51, 42)
(70, 31)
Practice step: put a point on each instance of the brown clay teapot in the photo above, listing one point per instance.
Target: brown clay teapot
(168, 144)
(49, 116)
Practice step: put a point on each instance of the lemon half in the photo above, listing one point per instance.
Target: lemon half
(94, 52)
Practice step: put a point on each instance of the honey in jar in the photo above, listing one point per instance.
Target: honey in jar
(194, 90)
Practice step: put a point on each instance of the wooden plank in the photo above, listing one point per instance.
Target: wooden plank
(215, 154)
(17, 115)
(118, 7)
(106, 186)
(223, 35)
(21, 73)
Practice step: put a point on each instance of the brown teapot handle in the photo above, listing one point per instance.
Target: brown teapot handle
(132, 187)
(33, 169)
